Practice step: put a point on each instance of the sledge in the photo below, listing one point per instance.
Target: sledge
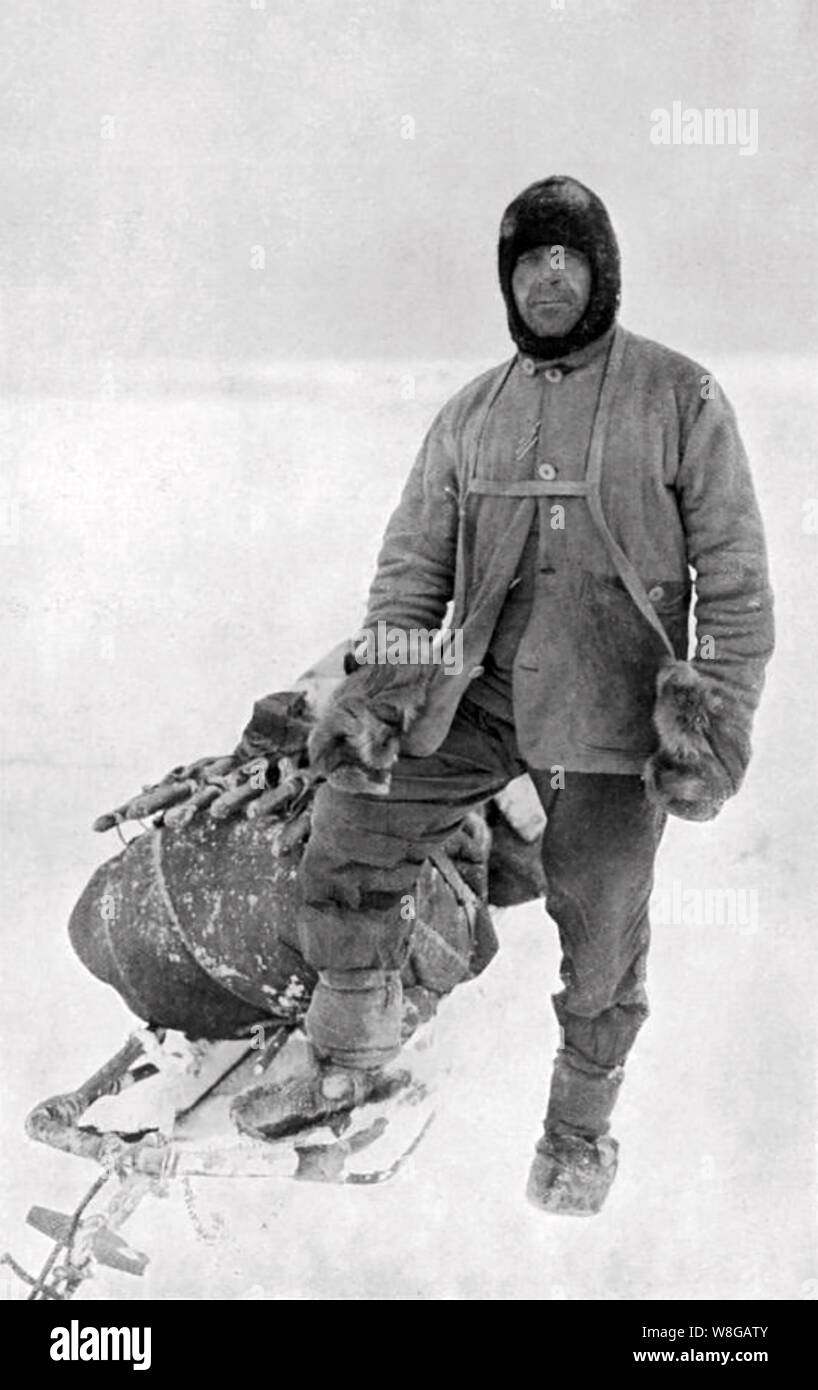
(193, 924)
(142, 1146)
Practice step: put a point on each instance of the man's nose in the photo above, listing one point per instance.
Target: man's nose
(548, 274)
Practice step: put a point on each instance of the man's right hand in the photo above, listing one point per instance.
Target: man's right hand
(356, 742)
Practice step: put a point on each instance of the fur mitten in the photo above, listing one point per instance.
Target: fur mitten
(357, 740)
(703, 744)
(280, 725)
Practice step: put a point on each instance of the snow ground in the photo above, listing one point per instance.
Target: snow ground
(169, 557)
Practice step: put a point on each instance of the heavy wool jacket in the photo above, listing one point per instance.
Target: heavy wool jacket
(629, 457)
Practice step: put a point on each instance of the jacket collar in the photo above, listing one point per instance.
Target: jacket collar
(580, 357)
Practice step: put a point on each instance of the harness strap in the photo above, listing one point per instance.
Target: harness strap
(529, 487)
(588, 488)
(469, 457)
(482, 937)
(467, 898)
(627, 573)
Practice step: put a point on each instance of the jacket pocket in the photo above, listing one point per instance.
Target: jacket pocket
(671, 601)
(619, 655)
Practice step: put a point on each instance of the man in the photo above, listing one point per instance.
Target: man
(560, 501)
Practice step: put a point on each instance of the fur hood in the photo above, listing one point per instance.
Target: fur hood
(560, 211)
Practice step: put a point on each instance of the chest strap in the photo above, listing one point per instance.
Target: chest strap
(625, 569)
(529, 487)
(589, 487)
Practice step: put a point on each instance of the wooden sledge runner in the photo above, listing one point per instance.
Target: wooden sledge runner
(366, 1146)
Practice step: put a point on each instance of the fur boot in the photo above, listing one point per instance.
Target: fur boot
(572, 1176)
(576, 1159)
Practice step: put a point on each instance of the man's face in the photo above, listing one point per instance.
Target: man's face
(551, 287)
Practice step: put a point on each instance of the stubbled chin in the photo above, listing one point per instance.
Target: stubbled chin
(552, 325)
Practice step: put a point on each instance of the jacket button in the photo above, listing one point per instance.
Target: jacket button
(553, 374)
(478, 671)
(656, 593)
(528, 366)
(547, 472)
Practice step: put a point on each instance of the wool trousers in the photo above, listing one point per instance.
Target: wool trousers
(598, 847)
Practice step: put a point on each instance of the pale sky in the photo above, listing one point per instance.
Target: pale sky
(148, 147)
